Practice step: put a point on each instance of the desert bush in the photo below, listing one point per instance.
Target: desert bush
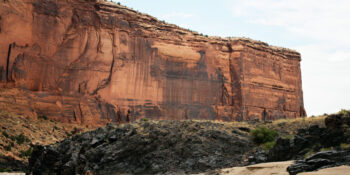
(263, 135)
(309, 153)
(55, 127)
(8, 147)
(20, 139)
(268, 145)
(4, 133)
(26, 153)
(327, 149)
(5, 170)
(345, 146)
(344, 112)
(44, 117)
(145, 119)
(288, 137)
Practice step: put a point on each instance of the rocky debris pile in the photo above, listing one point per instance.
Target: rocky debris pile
(321, 160)
(313, 139)
(259, 156)
(145, 147)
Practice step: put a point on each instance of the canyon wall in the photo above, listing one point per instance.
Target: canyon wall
(93, 62)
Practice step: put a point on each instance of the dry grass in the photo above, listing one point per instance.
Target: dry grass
(31, 131)
(287, 127)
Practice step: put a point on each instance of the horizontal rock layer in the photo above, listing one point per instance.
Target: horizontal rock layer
(135, 66)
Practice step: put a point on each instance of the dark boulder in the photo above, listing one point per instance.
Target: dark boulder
(259, 156)
(320, 160)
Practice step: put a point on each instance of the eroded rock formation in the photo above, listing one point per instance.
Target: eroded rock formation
(96, 61)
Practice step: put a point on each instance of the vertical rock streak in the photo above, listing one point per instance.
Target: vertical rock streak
(8, 63)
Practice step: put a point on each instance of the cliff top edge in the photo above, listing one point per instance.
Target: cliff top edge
(153, 22)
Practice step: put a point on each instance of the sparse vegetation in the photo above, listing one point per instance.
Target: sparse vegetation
(327, 149)
(68, 134)
(345, 146)
(263, 135)
(344, 112)
(43, 117)
(308, 154)
(8, 147)
(20, 139)
(268, 145)
(76, 131)
(288, 137)
(145, 119)
(4, 133)
(5, 170)
(26, 153)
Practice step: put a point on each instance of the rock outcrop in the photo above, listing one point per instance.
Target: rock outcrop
(95, 62)
(145, 147)
(313, 139)
(321, 160)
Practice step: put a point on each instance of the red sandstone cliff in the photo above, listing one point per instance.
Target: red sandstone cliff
(93, 62)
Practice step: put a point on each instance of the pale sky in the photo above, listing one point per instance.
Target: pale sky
(318, 29)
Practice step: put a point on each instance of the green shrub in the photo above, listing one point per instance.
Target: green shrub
(145, 119)
(344, 112)
(5, 170)
(345, 146)
(288, 137)
(55, 127)
(20, 139)
(68, 134)
(268, 145)
(8, 147)
(4, 133)
(327, 149)
(44, 117)
(262, 135)
(309, 153)
(13, 138)
(26, 153)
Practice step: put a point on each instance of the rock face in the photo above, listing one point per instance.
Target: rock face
(95, 61)
(145, 147)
